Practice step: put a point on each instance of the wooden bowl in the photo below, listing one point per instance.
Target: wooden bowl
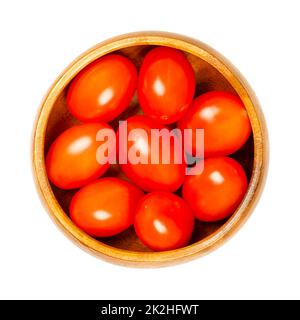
(213, 72)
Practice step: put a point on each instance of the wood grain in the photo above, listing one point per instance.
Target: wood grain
(213, 72)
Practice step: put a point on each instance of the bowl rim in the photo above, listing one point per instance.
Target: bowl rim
(260, 161)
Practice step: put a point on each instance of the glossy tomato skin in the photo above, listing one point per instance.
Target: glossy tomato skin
(105, 207)
(215, 193)
(163, 221)
(151, 176)
(71, 160)
(224, 120)
(166, 84)
(102, 90)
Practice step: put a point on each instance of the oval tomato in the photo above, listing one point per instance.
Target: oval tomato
(102, 90)
(215, 193)
(71, 160)
(166, 84)
(105, 207)
(224, 120)
(160, 176)
(163, 221)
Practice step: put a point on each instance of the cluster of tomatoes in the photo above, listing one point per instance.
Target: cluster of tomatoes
(162, 219)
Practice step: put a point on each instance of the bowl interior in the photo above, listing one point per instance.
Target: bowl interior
(208, 79)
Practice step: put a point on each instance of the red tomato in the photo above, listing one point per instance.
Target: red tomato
(216, 192)
(163, 221)
(102, 90)
(166, 84)
(150, 176)
(105, 207)
(224, 120)
(71, 160)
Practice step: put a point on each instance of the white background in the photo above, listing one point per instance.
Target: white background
(38, 39)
